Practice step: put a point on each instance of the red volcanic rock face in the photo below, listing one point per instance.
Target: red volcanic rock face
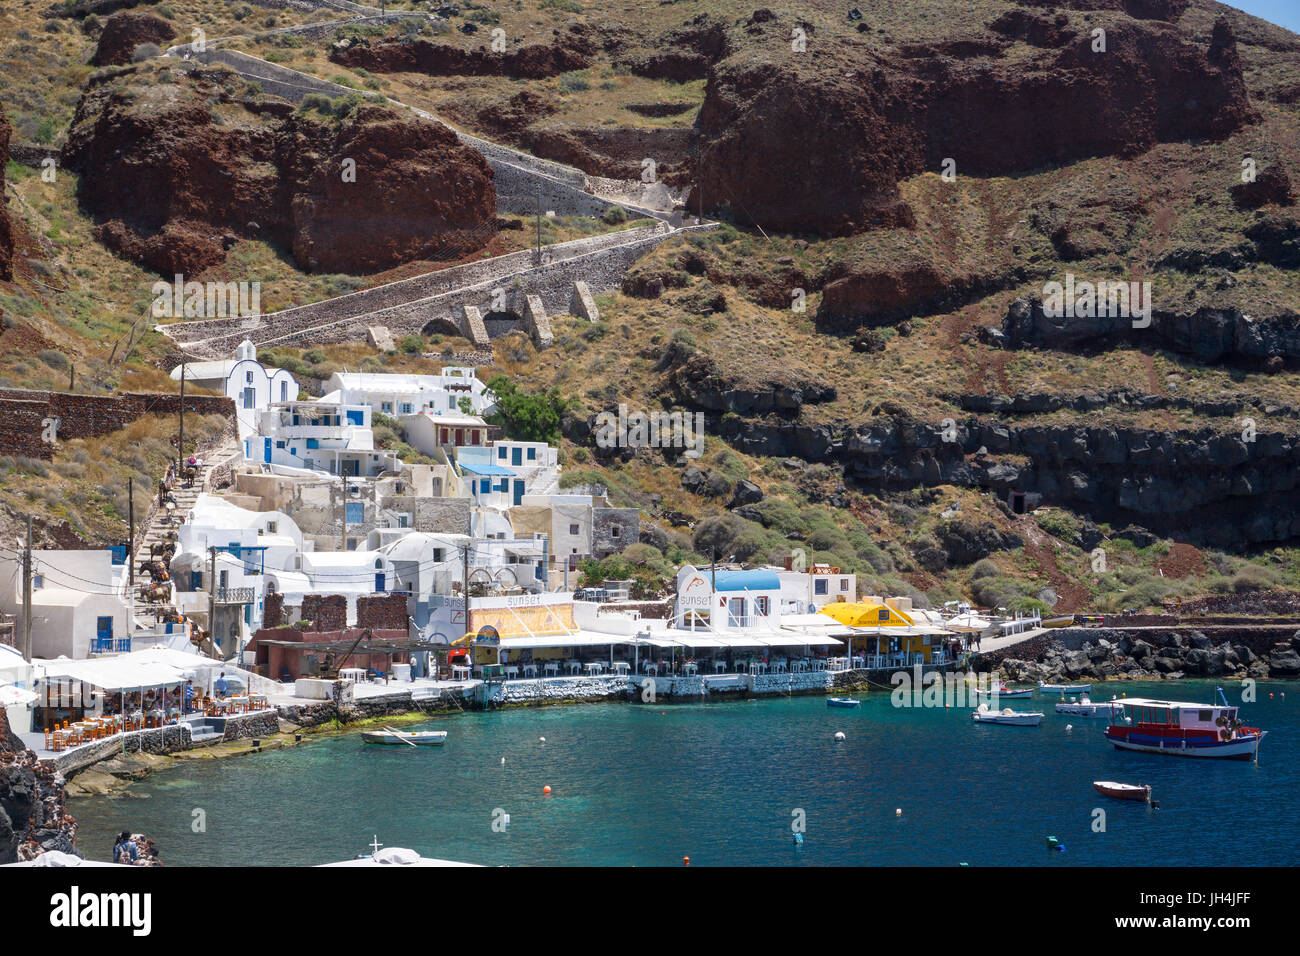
(123, 32)
(535, 61)
(6, 231)
(424, 193)
(822, 150)
(174, 188)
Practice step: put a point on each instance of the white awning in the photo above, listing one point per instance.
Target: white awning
(11, 695)
(111, 674)
(807, 638)
(580, 639)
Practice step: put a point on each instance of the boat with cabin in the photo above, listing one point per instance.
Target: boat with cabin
(1184, 729)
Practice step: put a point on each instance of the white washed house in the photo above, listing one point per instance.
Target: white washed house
(454, 389)
(251, 385)
(324, 436)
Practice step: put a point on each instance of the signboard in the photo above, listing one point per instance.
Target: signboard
(487, 636)
(693, 590)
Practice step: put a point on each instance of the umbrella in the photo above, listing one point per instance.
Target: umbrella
(11, 695)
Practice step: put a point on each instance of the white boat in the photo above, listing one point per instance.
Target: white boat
(1123, 791)
(394, 856)
(415, 738)
(1085, 707)
(1005, 693)
(1065, 688)
(1015, 718)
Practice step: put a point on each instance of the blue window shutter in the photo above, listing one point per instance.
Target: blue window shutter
(532, 454)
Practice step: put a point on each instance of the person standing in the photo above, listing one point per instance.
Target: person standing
(189, 696)
(221, 685)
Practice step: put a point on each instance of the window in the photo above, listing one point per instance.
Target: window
(223, 579)
(248, 377)
(271, 527)
(407, 408)
(762, 606)
(615, 531)
(356, 511)
(284, 391)
(352, 544)
(736, 612)
(532, 454)
(279, 444)
(403, 520)
(844, 584)
(437, 554)
(38, 580)
(501, 453)
(573, 529)
(473, 436)
(819, 586)
(386, 407)
(696, 620)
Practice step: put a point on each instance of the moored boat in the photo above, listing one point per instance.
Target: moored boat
(1086, 707)
(841, 702)
(416, 738)
(1005, 693)
(1065, 688)
(1184, 729)
(1008, 716)
(1122, 791)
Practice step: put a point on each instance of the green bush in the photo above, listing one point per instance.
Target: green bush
(524, 416)
(54, 359)
(411, 344)
(614, 215)
(145, 51)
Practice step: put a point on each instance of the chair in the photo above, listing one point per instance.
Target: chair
(49, 738)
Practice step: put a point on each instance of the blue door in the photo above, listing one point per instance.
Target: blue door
(379, 581)
(519, 492)
(103, 633)
(267, 450)
(516, 456)
(355, 416)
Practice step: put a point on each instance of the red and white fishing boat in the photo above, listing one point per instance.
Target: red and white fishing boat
(1183, 729)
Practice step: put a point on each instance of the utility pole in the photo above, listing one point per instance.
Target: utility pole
(180, 441)
(212, 596)
(465, 586)
(343, 516)
(130, 517)
(27, 595)
(699, 172)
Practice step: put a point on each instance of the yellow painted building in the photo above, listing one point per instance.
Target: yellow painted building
(873, 614)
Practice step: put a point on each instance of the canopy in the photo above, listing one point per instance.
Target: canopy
(580, 639)
(112, 673)
(861, 614)
(11, 695)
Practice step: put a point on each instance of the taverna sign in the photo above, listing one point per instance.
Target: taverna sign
(693, 588)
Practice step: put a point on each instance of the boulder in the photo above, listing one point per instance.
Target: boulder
(747, 493)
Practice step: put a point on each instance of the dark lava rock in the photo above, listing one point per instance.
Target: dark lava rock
(747, 493)
(693, 480)
(966, 541)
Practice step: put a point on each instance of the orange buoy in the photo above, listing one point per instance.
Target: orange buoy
(686, 861)
(546, 789)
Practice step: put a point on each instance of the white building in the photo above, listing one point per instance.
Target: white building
(810, 590)
(77, 603)
(250, 384)
(500, 475)
(324, 436)
(427, 432)
(454, 389)
(716, 600)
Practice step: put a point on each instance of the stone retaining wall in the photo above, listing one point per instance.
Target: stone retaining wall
(247, 726)
(552, 689)
(23, 411)
(158, 740)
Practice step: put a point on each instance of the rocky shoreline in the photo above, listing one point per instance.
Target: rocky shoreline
(1157, 655)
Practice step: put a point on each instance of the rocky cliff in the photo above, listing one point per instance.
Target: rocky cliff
(33, 814)
(819, 142)
(177, 166)
(124, 31)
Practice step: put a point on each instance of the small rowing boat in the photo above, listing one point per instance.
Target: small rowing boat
(412, 738)
(1014, 718)
(1006, 693)
(1065, 688)
(1122, 791)
(841, 702)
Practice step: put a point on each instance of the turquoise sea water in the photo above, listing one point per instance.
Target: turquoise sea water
(645, 785)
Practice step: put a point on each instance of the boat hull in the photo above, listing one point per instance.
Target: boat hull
(841, 702)
(1240, 748)
(1009, 720)
(1119, 791)
(1022, 694)
(1065, 688)
(419, 739)
(1105, 709)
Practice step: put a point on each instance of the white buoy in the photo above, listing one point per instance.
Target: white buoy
(898, 812)
(1069, 728)
(503, 761)
(541, 740)
(839, 735)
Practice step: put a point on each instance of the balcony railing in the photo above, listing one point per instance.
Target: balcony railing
(235, 596)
